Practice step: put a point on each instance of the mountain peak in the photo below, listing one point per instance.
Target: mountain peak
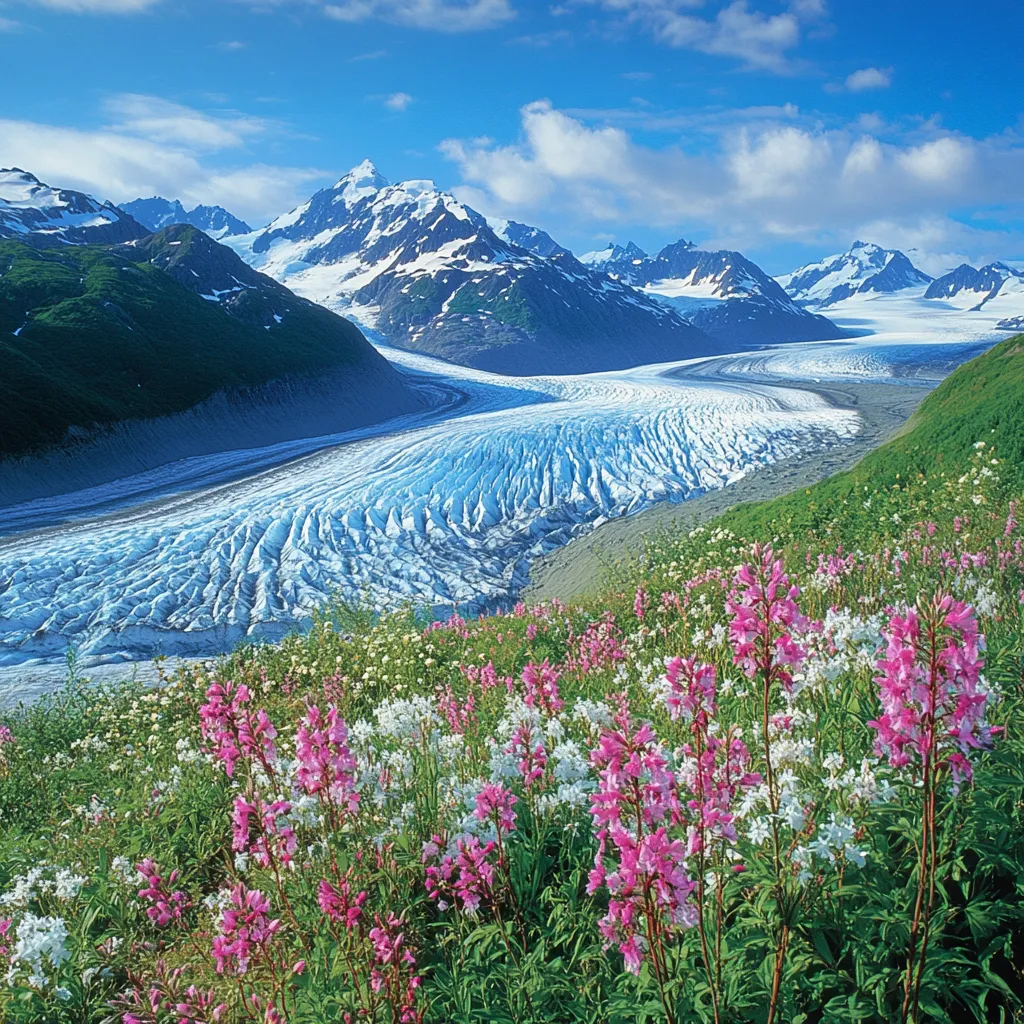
(361, 180)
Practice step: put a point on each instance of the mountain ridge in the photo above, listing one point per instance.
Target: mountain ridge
(431, 275)
(864, 267)
(156, 213)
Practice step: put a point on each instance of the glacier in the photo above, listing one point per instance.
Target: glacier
(446, 514)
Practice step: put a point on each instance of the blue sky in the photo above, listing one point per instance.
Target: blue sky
(783, 128)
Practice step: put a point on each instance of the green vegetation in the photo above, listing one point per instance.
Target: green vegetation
(756, 854)
(509, 306)
(93, 335)
(983, 400)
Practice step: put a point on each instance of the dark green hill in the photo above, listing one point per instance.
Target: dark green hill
(95, 335)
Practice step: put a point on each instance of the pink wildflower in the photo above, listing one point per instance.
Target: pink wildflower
(245, 930)
(764, 611)
(532, 757)
(496, 802)
(166, 906)
(691, 689)
(928, 687)
(326, 765)
(233, 730)
(337, 902)
(541, 683)
(392, 971)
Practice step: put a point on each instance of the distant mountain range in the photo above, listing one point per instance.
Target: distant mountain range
(433, 276)
(868, 268)
(720, 291)
(863, 268)
(976, 287)
(42, 216)
(157, 213)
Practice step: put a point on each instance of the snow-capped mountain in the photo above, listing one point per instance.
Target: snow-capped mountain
(157, 213)
(863, 268)
(613, 254)
(526, 237)
(720, 291)
(431, 275)
(33, 212)
(974, 288)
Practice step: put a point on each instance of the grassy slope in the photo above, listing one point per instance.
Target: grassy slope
(104, 339)
(983, 400)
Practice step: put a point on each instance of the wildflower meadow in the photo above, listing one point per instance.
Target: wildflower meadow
(771, 778)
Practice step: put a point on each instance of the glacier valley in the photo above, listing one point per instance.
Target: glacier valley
(445, 509)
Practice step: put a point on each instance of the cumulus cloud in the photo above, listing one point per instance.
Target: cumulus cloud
(438, 15)
(758, 183)
(759, 40)
(398, 101)
(869, 78)
(157, 148)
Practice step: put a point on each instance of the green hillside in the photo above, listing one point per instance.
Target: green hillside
(95, 335)
(981, 401)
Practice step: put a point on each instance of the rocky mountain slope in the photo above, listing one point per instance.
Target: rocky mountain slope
(92, 336)
(431, 275)
(157, 213)
(43, 216)
(721, 292)
(863, 268)
(974, 288)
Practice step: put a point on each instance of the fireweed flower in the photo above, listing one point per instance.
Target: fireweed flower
(690, 690)
(337, 903)
(166, 906)
(326, 766)
(392, 971)
(199, 1007)
(463, 878)
(495, 803)
(245, 930)
(764, 612)
(643, 868)
(928, 688)
(531, 757)
(233, 731)
(260, 830)
(541, 682)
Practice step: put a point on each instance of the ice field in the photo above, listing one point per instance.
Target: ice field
(446, 509)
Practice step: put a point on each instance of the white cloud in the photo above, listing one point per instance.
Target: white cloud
(163, 121)
(121, 163)
(869, 78)
(98, 6)
(758, 39)
(6, 25)
(398, 101)
(942, 162)
(439, 15)
(757, 183)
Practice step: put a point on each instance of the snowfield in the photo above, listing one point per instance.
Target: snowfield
(445, 514)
